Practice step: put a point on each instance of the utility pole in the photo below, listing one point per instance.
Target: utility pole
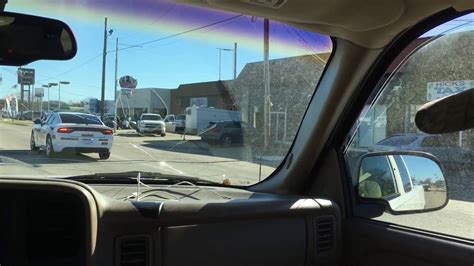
(104, 59)
(220, 63)
(115, 84)
(235, 60)
(266, 81)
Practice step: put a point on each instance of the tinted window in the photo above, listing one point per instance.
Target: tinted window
(80, 119)
(180, 117)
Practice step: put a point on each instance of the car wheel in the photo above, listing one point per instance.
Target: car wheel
(104, 155)
(226, 140)
(49, 147)
(32, 142)
(163, 134)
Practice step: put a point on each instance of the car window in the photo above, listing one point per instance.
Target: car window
(80, 119)
(50, 119)
(404, 174)
(437, 64)
(397, 141)
(200, 65)
(152, 117)
(378, 170)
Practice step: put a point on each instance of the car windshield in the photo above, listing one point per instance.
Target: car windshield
(151, 117)
(161, 58)
(79, 119)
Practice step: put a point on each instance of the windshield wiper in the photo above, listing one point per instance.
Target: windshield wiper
(148, 177)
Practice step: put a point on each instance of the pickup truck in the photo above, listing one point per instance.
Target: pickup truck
(151, 123)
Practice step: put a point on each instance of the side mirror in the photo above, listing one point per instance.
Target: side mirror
(27, 38)
(37, 122)
(406, 182)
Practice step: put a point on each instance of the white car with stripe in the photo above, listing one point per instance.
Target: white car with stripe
(75, 132)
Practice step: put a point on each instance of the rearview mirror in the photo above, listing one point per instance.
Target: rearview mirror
(37, 122)
(406, 182)
(26, 38)
(447, 115)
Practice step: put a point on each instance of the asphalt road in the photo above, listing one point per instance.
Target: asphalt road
(170, 154)
(191, 157)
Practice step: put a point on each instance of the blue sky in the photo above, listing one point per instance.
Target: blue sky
(422, 168)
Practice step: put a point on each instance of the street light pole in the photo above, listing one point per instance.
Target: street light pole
(47, 86)
(64, 83)
(52, 85)
(220, 58)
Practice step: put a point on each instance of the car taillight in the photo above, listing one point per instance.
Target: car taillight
(65, 130)
(107, 132)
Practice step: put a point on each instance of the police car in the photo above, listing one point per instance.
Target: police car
(68, 131)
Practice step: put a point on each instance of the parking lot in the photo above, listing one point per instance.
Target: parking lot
(170, 154)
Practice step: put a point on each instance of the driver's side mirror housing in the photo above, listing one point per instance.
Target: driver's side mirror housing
(403, 181)
(38, 122)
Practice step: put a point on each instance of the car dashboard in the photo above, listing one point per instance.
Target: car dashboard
(62, 222)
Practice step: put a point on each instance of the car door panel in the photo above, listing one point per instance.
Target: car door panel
(378, 244)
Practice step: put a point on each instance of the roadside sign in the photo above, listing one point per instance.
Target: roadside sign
(198, 101)
(26, 76)
(128, 82)
(39, 92)
(441, 89)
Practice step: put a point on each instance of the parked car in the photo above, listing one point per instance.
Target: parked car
(151, 123)
(30, 115)
(67, 131)
(443, 148)
(224, 132)
(109, 121)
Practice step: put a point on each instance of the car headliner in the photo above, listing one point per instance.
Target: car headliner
(368, 23)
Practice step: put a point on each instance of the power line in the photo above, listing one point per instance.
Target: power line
(144, 43)
(182, 33)
(72, 69)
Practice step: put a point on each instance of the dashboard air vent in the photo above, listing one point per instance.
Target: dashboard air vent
(324, 227)
(133, 251)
